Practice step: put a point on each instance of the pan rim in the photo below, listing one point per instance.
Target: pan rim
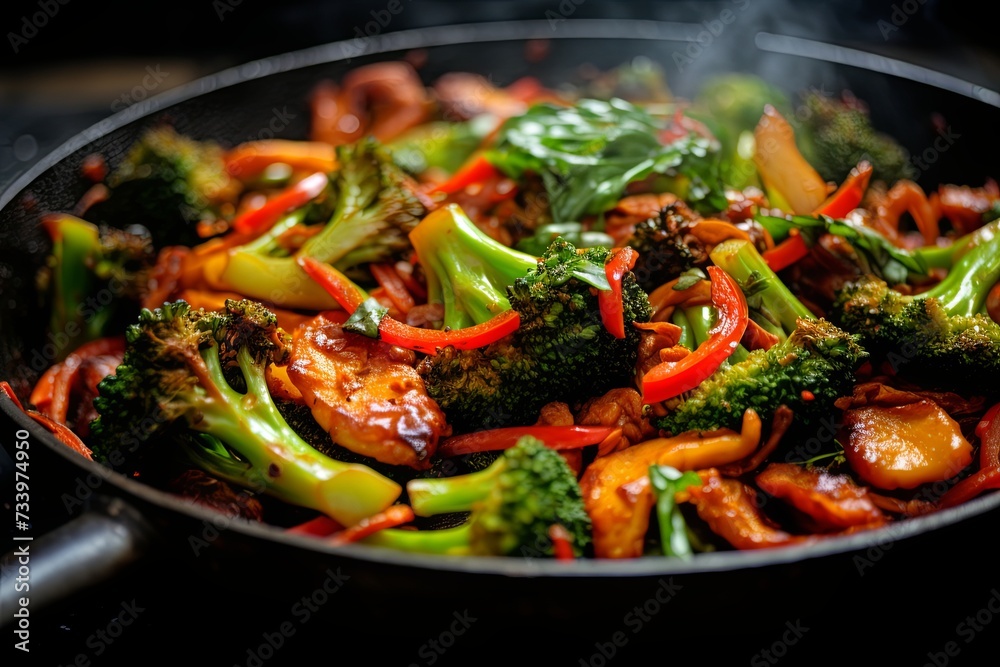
(437, 36)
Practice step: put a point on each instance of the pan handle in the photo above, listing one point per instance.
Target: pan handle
(86, 551)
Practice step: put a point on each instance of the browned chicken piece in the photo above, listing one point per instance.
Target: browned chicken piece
(366, 394)
(616, 488)
(465, 95)
(383, 100)
(621, 407)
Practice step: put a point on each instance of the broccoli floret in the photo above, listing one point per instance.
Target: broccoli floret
(940, 335)
(560, 351)
(467, 272)
(807, 371)
(86, 264)
(812, 366)
(374, 205)
(836, 134)
(513, 504)
(168, 183)
(665, 247)
(182, 375)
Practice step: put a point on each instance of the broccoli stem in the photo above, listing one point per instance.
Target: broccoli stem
(768, 294)
(430, 496)
(447, 541)
(963, 291)
(295, 472)
(944, 257)
(75, 249)
(681, 320)
(467, 271)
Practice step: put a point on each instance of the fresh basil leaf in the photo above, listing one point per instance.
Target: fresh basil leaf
(366, 318)
(587, 154)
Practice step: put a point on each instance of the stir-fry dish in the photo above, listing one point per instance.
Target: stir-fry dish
(598, 321)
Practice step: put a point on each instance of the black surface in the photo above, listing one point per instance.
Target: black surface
(192, 614)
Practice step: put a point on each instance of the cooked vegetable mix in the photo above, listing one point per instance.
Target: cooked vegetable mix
(543, 323)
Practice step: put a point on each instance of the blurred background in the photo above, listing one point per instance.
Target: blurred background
(67, 64)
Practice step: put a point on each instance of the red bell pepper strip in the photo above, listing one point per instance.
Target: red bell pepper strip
(394, 332)
(321, 526)
(418, 339)
(848, 196)
(610, 301)
(562, 542)
(671, 378)
(988, 476)
(988, 431)
(476, 170)
(786, 253)
(51, 395)
(337, 285)
(261, 219)
(555, 437)
(392, 516)
(62, 432)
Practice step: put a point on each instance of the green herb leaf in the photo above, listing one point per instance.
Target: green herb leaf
(366, 318)
(587, 154)
(666, 482)
(875, 253)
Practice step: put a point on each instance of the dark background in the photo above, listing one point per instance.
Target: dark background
(85, 62)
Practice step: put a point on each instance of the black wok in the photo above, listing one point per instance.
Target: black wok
(930, 565)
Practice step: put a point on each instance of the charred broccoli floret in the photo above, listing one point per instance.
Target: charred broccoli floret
(374, 206)
(513, 503)
(836, 134)
(181, 385)
(168, 183)
(940, 335)
(817, 361)
(561, 350)
(665, 248)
